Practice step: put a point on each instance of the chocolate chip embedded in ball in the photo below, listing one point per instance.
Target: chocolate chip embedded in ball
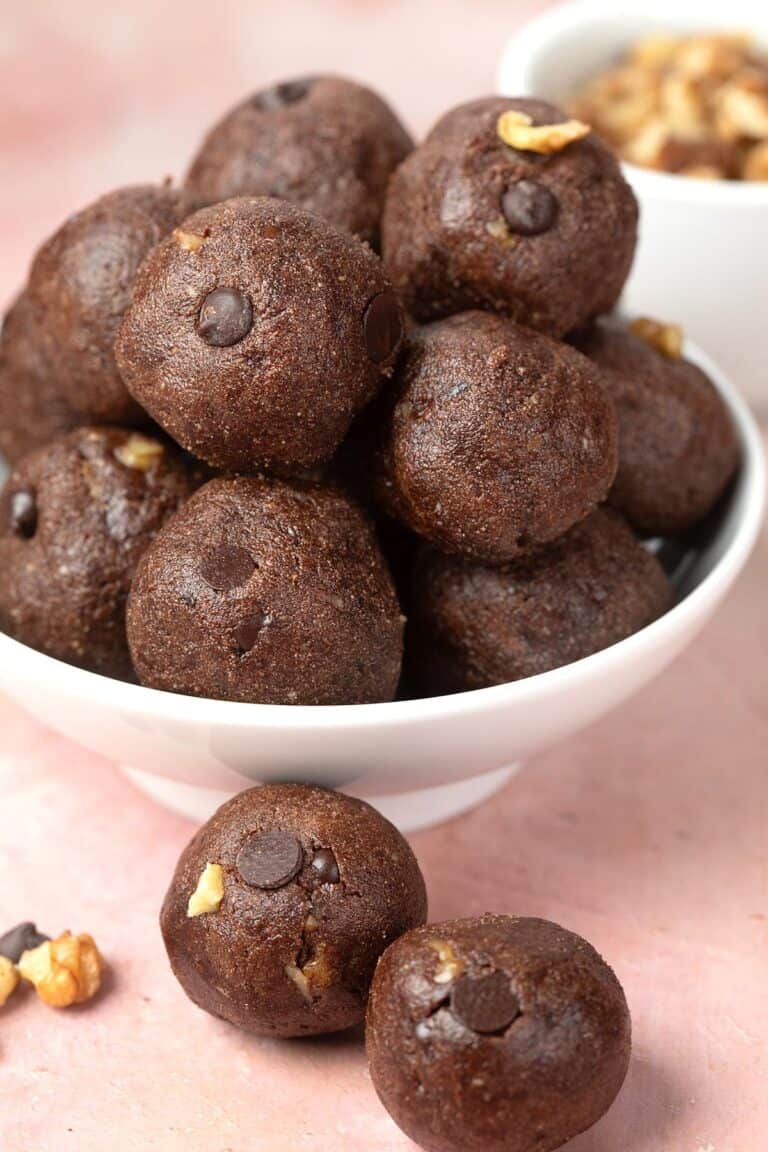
(529, 207)
(470, 222)
(515, 1031)
(273, 940)
(677, 445)
(472, 626)
(226, 317)
(77, 516)
(260, 591)
(81, 282)
(267, 375)
(494, 438)
(321, 142)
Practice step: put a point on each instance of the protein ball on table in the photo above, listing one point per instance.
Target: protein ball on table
(75, 517)
(496, 1034)
(498, 438)
(264, 592)
(32, 408)
(281, 905)
(677, 445)
(544, 231)
(257, 332)
(322, 142)
(81, 282)
(471, 627)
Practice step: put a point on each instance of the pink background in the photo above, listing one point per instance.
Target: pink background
(648, 833)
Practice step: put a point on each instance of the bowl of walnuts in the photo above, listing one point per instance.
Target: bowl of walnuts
(680, 92)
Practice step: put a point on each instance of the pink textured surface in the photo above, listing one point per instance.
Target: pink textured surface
(648, 834)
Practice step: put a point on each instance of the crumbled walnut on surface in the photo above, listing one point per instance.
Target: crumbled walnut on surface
(665, 338)
(64, 971)
(209, 893)
(449, 965)
(139, 452)
(189, 241)
(518, 131)
(9, 979)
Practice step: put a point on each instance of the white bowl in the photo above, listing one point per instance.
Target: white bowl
(419, 761)
(703, 249)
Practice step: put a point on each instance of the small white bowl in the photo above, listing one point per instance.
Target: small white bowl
(419, 761)
(702, 259)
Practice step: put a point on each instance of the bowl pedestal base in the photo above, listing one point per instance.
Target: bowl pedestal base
(409, 811)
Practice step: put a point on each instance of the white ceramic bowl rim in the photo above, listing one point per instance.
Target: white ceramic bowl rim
(136, 699)
(565, 21)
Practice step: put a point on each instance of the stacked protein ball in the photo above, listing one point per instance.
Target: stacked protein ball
(232, 421)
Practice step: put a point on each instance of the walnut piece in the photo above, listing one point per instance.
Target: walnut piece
(64, 971)
(449, 965)
(299, 979)
(209, 892)
(139, 452)
(518, 131)
(189, 241)
(9, 979)
(665, 338)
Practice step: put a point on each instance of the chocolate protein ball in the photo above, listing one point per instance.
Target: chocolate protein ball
(264, 592)
(471, 627)
(497, 438)
(32, 408)
(470, 222)
(80, 283)
(677, 445)
(75, 517)
(281, 905)
(322, 142)
(496, 1034)
(257, 331)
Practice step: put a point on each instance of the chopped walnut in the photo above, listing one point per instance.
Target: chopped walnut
(299, 979)
(64, 971)
(665, 338)
(9, 979)
(189, 241)
(449, 966)
(756, 163)
(139, 452)
(209, 893)
(518, 131)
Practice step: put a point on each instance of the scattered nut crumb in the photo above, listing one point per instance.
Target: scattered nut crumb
(665, 338)
(517, 130)
(9, 979)
(139, 452)
(450, 966)
(64, 971)
(189, 241)
(209, 892)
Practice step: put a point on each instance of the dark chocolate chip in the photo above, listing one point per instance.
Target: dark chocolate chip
(19, 940)
(248, 630)
(383, 326)
(227, 567)
(529, 207)
(325, 866)
(22, 518)
(282, 95)
(226, 317)
(270, 859)
(485, 1003)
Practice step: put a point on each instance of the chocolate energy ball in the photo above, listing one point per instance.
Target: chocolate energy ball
(322, 142)
(32, 408)
(545, 236)
(256, 333)
(264, 592)
(496, 1034)
(75, 517)
(281, 905)
(498, 438)
(80, 283)
(471, 627)
(677, 445)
